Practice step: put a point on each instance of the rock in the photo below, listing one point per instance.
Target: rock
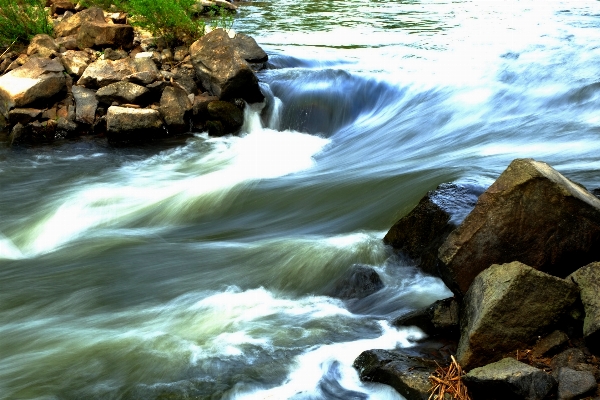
(16, 133)
(421, 232)
(174, 108)
(357, 282)
(62, 6)
(23, 115)
(104, 72)
(38, 78)
(250, 51)
(408, 375)
(102, 34)
(186, 82)
(531, 214)
(43, 131)
(70, 26)
(125, 124)
(572, 358)
(506, 308)
(43, 45)
(66, 128)
(215, 128)
(222, 70)
(440, 318)
(588, 280)
(180, 53)
(509, 379)
(75, 62)
(110, 54)
(228, 114)
(123, 92)
(67, 42)
(550, 345)
(574, 384)
(156, 89)
(85, 105)
(18, 62)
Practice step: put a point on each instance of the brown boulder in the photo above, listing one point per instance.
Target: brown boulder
(42, 45)
(222, 70)
(531, 214)
(175, 106)
(588, 280)
(123, 92)
(70, 26)
(75, 62)
(507, 307)
(102, 34)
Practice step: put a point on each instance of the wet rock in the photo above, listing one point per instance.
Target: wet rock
(102, 34)
(123, 92)
(440, 318)
(104, 72)
(38, 78)
(222, 70)
(588, 280)
(421, 232)
(43, 45)
(506, 308)
(23, 115)
(125, 124)
(66, 128)
(75, 62)
(509, 379)
(174, 108)
(551, 344)
(85, 105)
(357, 282)
(16, 133)
(215, 128)
(228, 114)
(575, 384)
(408, 375)
(531, 214)
(70, 26)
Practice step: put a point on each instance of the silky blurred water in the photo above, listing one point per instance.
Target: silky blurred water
(200, 268)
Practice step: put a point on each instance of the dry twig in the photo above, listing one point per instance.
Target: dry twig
(448, 380)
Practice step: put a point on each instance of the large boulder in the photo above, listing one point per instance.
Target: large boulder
(507, 307)
(588, 280)
(85, 105)
(421, 232)
(531, 214)
(407, 374)
(509, 379)
(222, 70)
(37, 79)
(124, 124)
(357, 282)
(70, 26)
(438, 319)
(102, 34)
(104, 72)
(175, 107)
(123, 92)
(250, 51)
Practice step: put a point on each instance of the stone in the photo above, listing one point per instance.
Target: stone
(186, 82)
(110, 54)
(180, 53)
(421, 232)
(249, 50)
(531, 214)
(62, 6)
(573, 358)
(85, 105)
(357, 282)
(75, 62)
(587, 278)
(550, 345)
(70, 26)
(43, 45)
(17, 133)
(18, 62)
(222, 70)
(507, 307)
(123, 92)
(67, 43)
(438, 319)
(23, 115)
(407, 374)
(38, 78)
(509, 379)
(102, 73)
(102, 34)
(575, 384)
(124, 124)
(174, 108)
(228, 114)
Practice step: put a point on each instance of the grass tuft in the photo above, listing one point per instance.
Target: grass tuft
(20, 20)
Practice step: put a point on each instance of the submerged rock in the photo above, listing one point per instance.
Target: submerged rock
(357, 282)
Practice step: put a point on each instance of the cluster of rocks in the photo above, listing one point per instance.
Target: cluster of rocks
(98, 75)
(524, 268)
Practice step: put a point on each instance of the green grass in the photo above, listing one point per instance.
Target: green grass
(20, 20)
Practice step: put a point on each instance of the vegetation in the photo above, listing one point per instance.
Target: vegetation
(20, 20)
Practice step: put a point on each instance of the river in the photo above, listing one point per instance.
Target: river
(199, 268)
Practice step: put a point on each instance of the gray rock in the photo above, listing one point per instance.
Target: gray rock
(102, 34)
(574, 384)
(85, 105)
(110, 54)
(175, 107)
(123, 92)
(357, 282)
(588, 280)
(104, 72)
(408, 375)
(250, 51)
(222, 70)
(125, 124)
(506, 308)
(531, 214)
(440, 318)
(509, 379)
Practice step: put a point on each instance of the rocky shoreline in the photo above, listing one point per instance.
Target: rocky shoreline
(100, 76)
(524, 268)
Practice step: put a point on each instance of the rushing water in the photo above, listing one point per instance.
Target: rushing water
(199, 269)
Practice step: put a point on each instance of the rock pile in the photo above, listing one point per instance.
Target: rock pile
(523, 266)
(100, 76)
